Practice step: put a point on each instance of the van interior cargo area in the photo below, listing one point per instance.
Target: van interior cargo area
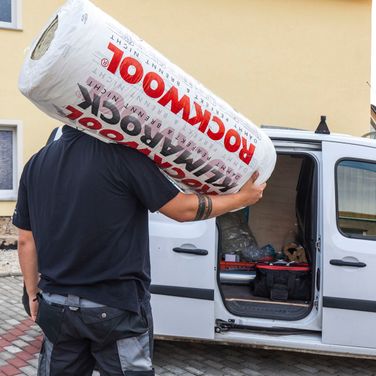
(266, 263)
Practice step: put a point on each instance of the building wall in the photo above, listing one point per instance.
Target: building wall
(278, 62)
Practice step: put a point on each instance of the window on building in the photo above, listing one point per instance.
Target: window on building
(9, 160)
(10, 14)
(356, 198)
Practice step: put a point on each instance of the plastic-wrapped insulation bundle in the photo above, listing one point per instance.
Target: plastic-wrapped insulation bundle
(87, 70)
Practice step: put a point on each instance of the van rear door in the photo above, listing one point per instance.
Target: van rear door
(349, 244)
(182, 262)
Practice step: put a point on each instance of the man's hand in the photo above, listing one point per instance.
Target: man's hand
(34, 306)
(252, 192)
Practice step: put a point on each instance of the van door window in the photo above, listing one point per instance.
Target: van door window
(356, 198)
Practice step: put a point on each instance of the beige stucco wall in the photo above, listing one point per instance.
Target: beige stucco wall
(279, 62)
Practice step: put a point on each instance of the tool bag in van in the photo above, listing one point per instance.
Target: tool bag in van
(282, 282)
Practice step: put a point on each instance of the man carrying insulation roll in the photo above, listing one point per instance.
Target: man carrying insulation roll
(82, 214)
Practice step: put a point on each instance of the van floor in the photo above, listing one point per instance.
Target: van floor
(240, 301)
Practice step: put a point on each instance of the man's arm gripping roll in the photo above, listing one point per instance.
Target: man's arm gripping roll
(195, 207)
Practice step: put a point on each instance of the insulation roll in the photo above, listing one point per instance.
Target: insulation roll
(90, 72)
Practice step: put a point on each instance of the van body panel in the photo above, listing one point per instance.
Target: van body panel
(349, 292)
(296, 136)
(183, 317)
(182, 281)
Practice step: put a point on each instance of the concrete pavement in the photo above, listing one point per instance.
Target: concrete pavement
(20, 341)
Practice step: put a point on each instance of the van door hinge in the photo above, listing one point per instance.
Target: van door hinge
(316, 304)
(318, 244)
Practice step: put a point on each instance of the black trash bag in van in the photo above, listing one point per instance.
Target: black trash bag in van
(236, 238)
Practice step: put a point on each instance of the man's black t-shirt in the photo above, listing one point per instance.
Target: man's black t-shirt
(87, 203)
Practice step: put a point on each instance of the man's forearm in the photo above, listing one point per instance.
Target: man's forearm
(199, 207)
(27, 255)
(196, 207)
(193, 207)
(222, 204)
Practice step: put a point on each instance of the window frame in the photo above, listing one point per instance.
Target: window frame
(16, 23)
(346, 235)
(16, 127)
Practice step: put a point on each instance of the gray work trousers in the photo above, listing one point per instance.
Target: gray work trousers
(80, 334)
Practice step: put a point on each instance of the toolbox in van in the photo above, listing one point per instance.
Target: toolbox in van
(283, 281)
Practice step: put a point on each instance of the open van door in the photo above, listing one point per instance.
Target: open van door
(183, 277)
(349, 244)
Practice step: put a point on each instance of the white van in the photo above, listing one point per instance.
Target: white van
(324, 191)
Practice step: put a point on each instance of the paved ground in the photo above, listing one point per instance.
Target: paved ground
(20, 342)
